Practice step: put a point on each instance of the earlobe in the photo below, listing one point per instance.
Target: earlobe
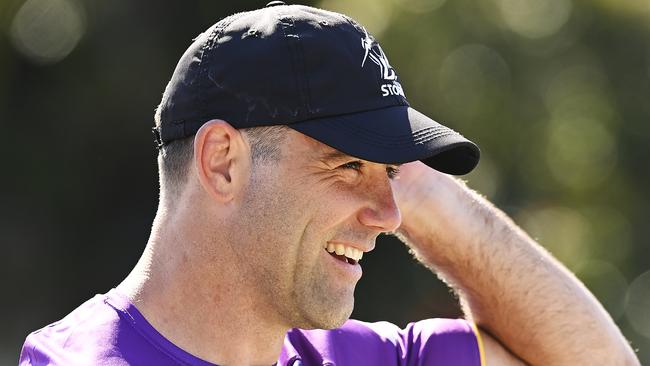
(221, 159)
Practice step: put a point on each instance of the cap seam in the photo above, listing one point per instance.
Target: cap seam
(424, 135)
(286, 23)
(429, 137)
(351, 112)
(390, 145)
(204, 63)
(306, 89)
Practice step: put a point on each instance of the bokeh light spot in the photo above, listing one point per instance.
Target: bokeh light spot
(474, 78)
(580, 153)
(637, 8)
(611, 236)
(638, 304)
(46, 31)
(580, 91)
(374, 15)
(534, 18)
(563, 231)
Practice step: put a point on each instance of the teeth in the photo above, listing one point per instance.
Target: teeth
(340, 249)
(349, 252)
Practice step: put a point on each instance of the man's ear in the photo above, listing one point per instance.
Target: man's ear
(222, 159)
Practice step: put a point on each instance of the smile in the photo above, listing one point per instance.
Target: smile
(344, 253)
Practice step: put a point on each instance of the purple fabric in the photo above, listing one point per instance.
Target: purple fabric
(108, 330)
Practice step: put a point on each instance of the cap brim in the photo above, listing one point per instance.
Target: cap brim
(395, 135)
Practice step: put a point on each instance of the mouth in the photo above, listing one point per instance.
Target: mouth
(344, 253)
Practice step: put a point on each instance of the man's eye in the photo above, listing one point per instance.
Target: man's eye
(392, 172)
(354, 165)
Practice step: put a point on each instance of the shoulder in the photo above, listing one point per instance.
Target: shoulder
(446, 341)
(431, 341)
(105, 330)
(83, 335)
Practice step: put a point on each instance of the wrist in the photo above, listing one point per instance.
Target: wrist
(438, 207)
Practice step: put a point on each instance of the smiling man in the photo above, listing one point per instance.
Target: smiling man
(287, 146)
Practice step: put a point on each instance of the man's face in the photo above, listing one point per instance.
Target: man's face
(294, 208)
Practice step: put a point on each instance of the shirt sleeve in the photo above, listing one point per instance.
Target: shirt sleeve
(442, 342)
(434, 342)
(430, 342)
(26, 354)
(31, 355)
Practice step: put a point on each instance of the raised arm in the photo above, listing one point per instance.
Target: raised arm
(525, 302)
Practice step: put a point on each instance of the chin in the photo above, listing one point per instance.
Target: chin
(326, 319)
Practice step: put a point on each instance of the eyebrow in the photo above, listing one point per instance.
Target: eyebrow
(336, 155)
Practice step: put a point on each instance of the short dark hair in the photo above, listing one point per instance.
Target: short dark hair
(174, 161)
(175, 157)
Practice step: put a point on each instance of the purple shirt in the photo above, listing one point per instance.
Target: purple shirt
(109, 330)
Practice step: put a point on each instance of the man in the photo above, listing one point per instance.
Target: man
(281, 134)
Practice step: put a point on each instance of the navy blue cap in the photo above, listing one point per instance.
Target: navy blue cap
(315, 71)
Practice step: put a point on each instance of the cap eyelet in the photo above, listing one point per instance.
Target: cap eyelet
(275, 3)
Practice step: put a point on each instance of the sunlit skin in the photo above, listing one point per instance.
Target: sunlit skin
(250, 240)
(312, 196)
(238, 258)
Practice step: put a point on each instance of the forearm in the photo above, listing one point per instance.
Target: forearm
(509, 285)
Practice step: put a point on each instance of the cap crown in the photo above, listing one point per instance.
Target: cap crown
(275, 66)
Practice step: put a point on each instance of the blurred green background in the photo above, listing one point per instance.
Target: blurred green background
(554, 91)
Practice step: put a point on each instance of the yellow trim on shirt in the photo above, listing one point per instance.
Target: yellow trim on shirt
(480, 343)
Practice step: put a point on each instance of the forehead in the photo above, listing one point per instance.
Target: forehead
(314, 149)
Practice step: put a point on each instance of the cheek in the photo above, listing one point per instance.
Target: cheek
(296, 223)
(328, 217)
(340, 203)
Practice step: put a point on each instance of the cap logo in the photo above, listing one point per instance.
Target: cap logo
(373, 51)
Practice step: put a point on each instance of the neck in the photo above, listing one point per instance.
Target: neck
(198, 299)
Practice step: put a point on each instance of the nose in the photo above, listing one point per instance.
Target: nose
(381, 212)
